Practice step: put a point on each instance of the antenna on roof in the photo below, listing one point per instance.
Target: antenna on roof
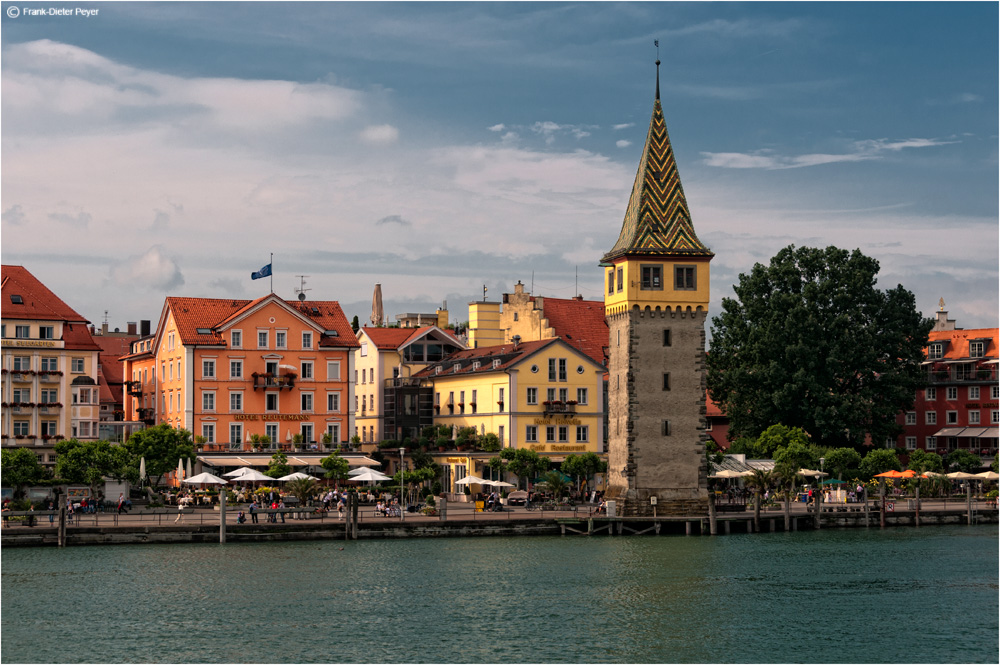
(301, 291)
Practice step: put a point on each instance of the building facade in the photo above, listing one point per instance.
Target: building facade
(50, 368)
(233, 371)
(656, 301)
(959, 408)
(386, 396)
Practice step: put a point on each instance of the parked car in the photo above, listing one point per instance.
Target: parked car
(517, 498)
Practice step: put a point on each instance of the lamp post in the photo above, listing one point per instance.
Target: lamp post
(402, 508)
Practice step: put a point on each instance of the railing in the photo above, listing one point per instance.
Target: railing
(263, 381)
(960, 376)
(134, 388)
(558, 407)
(49, 376)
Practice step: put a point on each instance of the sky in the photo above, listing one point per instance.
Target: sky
(158, 149)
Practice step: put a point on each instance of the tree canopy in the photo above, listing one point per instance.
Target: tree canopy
(878, 461)
(809, 341)
(840, 460)
(279, 466)
(962, 460)
(20, 468)
(922, 461)
(89, 462)
(162, 446)
(336, 467)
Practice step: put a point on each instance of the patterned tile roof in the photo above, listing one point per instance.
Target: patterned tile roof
(199, 320)
(580, 323)
(657, 220)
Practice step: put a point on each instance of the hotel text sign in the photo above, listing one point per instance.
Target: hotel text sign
(270, 416)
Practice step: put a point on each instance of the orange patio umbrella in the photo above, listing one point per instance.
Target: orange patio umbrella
(890, 474)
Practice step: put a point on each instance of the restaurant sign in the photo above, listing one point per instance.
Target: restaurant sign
(270, 416)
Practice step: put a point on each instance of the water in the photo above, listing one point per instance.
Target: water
(899, 595)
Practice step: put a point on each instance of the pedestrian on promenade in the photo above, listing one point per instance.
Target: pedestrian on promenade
(52, 508)
(180, 512)
(281, 506)
(253, 511)
(121, 502)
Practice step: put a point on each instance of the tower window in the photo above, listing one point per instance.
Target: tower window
(684, 278)
(611, 282)
(652, 278)
(621, 279)
(666, 380)
(666, 337)
(665, 428)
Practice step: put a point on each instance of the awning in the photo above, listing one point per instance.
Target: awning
(975, 432)
(950, 431)
(990, 433)
(293, 460)
(991, 362)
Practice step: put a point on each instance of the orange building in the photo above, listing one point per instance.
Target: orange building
(228, 370)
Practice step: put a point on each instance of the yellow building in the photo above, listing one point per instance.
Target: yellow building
(383, 361)
(544, 395)
(50, 368)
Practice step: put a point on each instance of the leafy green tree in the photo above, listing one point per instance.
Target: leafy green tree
(279, 466)
(555, 483)
(747, 445)
(524, 462)
(336, 467)
(996, 463)
(779, 436)
(922, 461)
(20, 468)
(841, 460)
(89, 462)
(811, 342)
(303, 489)
(878, 461)
(162, 446)
(489, 443)
(583, 466)
(962, 460)
(355, 324)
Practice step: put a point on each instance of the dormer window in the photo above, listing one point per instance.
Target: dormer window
(437, 370)
(977, 349)
(496, 363)
(16, 299)
(935, 351)
(456, 367)
(476, 365)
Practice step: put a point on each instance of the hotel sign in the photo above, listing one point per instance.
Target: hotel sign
(44, 343)
(561, 420)
(270, 416)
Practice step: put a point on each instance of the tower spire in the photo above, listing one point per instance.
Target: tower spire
(656, 43)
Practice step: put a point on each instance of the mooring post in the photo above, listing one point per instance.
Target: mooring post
(917, 493)
(968, 499)
(687, 528)
(712, 526)
(881, 495)
(222, 514)
(819, 506)
(61, 537)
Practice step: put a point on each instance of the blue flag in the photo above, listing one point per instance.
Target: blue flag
(263, 272)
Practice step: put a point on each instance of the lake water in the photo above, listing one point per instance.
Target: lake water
(852, 595)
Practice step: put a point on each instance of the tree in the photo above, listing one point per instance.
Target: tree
(962, 460)
(303, 489)
(162, 446)
(89, 462)
(583, 466)
(878, 461)
(776, 437)
(810, 342)
(556, 483)
(840, 460)
(355, 324)
(759, 481)
(524, 462)
(490, 443)
(336, 467)
(20, 468)
(922, 461)
(279, 466)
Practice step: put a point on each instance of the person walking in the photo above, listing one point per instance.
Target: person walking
(121, 502)
(281, 506)
(253, 511)
(52, 508)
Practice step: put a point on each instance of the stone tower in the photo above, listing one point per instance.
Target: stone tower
(656, 302)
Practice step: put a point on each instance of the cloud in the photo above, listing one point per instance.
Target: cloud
(380, 134)
(80, 219)
(394, 220)
(13, 215)
(549, 130)
(160, 221)
(622, 126)
(622, 143)
(153, 270)
(497, 128)
(859, 151)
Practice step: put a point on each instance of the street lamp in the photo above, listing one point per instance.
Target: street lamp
(402, 508)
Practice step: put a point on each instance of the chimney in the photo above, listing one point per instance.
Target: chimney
(144, 328)
(517, 341)
(131, 328)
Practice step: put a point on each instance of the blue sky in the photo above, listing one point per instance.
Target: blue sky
(157, 149)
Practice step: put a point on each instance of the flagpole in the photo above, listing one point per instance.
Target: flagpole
(272, 272)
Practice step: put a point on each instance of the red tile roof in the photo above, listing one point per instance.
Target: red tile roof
(38, 302)
(580, 323)
(507, 354)
(957, 347)
(194, 314)
(394, 338)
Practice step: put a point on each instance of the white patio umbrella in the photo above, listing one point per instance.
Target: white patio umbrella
(961, 475)
(988, 475)
(180, 469)
(729, 473)
(205, 479)
(238, 472)
(471, 480)
(298, 475)
(812, 473)
(252, 475)
(188, 473)
(501, 483)
(370, 475)
(142, 469)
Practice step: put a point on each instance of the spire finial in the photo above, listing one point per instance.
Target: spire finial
(656, 43)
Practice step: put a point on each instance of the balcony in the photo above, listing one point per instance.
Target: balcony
(961, 375)
(146, 415)
(557, 406)
(50, 377)
(49, 407)
(22, 376)
(134, 388)
(263, 381)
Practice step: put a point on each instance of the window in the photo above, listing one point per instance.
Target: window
(611, 282)
(23, 363)
(261, 339)
(461, 401)
(22, 332)
(235, 433)
(208, 401)
(50, 364)
(911, 417)
(271, 432)
(371, 375)
(307, 433)
(46, 332)
(994, 392)
(951, 417)
(532, 396)
(235, 369)
(333, 402)
(563, 434)
(665, 428)
(531, 433)
(976, 349)
(236, 402)
(21, 427)
(666, 337)
(550, 433)
(550, 394)
(333, 370)
(500, 401)
(994, 417)
(22, 395)
(333, 429)
(684, 278)
(170, 402)
(208, 369)
(911, 443)
(973, 392)
(49, 427)
(935, 351)
(76, 366)
(930, 418)
(930, 394)
(280, 339)
(582, 433)
(236, 339)
(930, 443)
(307, 370)
(951, 393)
(364, 349)
(552, 369)
(271, 402)
(581, 395)
(208, 431)
(564, 395)
(171, 368)
(49, 396)
(473, 403)
(652, 278)
(307, 339)
(364, 377)
(86, 428)
(974, 417)
(666, 380)
(562, 369)
(364, 403)
(621, 279)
